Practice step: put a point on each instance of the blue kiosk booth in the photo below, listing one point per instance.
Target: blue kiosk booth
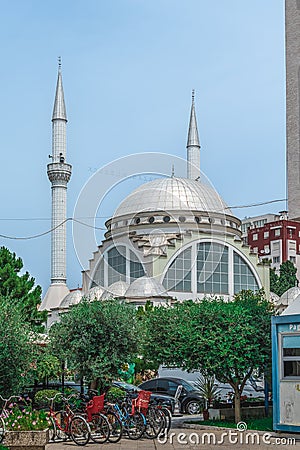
(286, 369)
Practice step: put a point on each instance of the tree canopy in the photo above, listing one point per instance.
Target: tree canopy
(227, 340)
(20, 288)
(96, 339)
(16, 349)
(285, 280)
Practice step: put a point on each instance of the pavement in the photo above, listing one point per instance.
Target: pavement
(194, 436)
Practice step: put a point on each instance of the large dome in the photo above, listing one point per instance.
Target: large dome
(173, 194)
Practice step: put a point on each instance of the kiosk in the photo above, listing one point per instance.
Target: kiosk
(286, 369)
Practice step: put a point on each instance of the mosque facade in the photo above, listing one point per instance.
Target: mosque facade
(172, 238)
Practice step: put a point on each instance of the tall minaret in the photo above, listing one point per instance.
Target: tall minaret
(193, 145)
(292, 51)
(59, 173)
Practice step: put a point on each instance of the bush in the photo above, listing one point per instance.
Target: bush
(114, 393)
(41, 400)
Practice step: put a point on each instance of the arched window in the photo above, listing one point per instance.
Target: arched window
(212, 268)
(178, 277)
(118, 263)
(243, 275)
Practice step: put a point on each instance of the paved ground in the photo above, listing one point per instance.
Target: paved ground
(182, 438)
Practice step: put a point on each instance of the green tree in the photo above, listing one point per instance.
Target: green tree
(16, 349)
(96, 338)
(20, 288)
(285, 280)
(228, 340)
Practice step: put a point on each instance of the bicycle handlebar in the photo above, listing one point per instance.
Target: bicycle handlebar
(7, 400)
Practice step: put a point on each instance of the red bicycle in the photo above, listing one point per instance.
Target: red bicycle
(66, 424)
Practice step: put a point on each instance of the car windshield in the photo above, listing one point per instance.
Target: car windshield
(188, 387)
(127, 386)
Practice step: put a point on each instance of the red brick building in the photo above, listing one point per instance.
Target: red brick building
(278, 241)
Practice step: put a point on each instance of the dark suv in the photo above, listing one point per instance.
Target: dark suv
(190, 399)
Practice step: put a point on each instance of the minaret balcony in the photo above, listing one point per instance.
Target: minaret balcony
(59, 171)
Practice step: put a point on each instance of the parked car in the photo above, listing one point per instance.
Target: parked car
(162, 399)
(191, 401)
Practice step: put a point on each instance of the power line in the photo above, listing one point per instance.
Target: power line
(72, 219)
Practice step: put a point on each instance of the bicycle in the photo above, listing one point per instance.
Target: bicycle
(97, 405)
(133, 422)
(66, 424)
(4, 414)
(155, 420)
(100, 428)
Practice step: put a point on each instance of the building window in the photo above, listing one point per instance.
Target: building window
(98, 279)
(255, 250)
(276, 259)
(212, 268)
(136, 268)
(293, 259)
(291, 356)
(255, 237)
(243, 276)
(266, 249)
(277, 232)
(266, 235)
(116, 260)
(122, 265)
(178, 276)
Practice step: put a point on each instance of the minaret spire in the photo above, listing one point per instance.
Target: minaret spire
(193, 145)
(59, 173)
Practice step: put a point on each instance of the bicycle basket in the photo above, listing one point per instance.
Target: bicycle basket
(96, 405)
(141, 403)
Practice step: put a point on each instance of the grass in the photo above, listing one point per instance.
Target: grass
(262, 424)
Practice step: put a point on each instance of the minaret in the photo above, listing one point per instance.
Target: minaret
(59, 173)
(193, 145)
(292, 52)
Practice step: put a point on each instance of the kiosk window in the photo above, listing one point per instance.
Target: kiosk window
(291, 356)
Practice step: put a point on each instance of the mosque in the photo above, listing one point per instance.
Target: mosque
(171, 238)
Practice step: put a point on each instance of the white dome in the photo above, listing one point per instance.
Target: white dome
(73, 298)
(116, 289)
(95, 293)
(173, 194)
(145, 287)
(274, 298)
(293, 308)
(289, 296)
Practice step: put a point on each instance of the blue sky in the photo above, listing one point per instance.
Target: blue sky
(128, 70)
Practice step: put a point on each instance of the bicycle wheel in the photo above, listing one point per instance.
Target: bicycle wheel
(115, 427)
(135, 425)
(167, 419)
(154, 422)
(2, 429)
(100, 429)
(80, 430)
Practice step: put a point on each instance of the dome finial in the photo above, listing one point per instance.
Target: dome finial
(173, 171)
(193, 95)
(59, 63)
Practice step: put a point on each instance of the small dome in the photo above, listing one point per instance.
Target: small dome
(73, 298)
(289, 296)
(95, 293)
(172, 194)
(293, 308)
(116, 289)
(274, 298)
(146, 287)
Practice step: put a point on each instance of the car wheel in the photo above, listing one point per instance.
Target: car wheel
(193, 407)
